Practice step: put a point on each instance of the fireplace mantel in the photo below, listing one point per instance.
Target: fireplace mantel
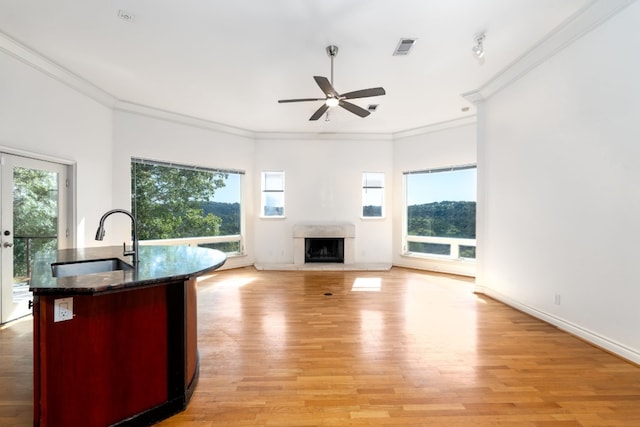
(343, 230)
(324, 230)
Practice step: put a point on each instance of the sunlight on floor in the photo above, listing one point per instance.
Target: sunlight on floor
(231, 283)
(16, 322)
(367, 284)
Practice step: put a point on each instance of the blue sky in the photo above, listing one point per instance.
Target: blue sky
(230, 193)
(457, 185)
(421, 187)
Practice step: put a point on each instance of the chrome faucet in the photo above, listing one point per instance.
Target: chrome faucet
(134, 234)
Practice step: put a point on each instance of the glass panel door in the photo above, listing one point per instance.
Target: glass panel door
(32, 219)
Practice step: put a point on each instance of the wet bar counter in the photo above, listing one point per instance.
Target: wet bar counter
(116, 347)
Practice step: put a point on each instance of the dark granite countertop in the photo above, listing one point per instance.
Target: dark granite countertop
(158, 264)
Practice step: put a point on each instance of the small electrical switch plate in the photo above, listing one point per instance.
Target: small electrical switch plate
(62, 309)
(557, 299)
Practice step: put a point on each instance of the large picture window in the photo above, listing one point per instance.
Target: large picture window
(441, 212)
(181, 204)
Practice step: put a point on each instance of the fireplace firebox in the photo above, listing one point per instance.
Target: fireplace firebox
(325, 249)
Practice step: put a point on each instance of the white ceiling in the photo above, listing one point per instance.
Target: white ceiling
(230, 61)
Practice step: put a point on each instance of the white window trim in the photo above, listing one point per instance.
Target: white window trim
(454, 242)
(262, 196)
(195, 241)
(383, 214)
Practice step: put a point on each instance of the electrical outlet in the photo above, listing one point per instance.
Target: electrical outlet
(62, 309)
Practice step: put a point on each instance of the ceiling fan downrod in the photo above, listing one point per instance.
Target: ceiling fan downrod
(332, 51)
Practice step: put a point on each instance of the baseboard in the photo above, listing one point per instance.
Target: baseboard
(591, 337)
(460, 268)
(325, 267)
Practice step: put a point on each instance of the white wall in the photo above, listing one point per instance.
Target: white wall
(323, 184)
(45, 116)
(40, 115)
(451, 145)
(559, 155)
(137, 135)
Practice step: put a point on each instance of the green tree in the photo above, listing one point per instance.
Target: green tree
(35, 215)
(443, 219)
(229, 213)
(168, 202)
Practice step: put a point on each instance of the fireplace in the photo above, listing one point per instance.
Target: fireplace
(342, 232)
(326, 249)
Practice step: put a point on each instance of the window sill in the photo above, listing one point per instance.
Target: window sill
(434, 257)
(235, 255)
(273, 217)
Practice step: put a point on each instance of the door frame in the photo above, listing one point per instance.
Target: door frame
(68, 238)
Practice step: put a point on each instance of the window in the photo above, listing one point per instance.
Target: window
(273, 194)
(372, 194)
(441, 213)
(180, 204)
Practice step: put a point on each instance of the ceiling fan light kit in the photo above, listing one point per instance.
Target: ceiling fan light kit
(332, 102)
(333, 98)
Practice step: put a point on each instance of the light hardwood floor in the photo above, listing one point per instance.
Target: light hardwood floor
(393, 348)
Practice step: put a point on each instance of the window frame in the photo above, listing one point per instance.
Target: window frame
(264, 191)
(454, 242)
(382, 196)
(201, 240)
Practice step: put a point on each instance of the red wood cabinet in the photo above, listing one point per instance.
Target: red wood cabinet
(126, 357)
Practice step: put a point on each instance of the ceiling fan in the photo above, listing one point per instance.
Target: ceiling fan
(333, 98)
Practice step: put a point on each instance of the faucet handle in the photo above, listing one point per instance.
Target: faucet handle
(125, 252)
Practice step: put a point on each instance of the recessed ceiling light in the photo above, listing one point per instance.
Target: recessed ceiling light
(126, 16)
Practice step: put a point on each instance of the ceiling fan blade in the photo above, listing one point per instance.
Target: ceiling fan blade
(319, 112)
(300, 100)
(364, 93)
(354, 109)
(326, 86)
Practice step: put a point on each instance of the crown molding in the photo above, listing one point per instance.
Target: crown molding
(580, 23)
(37, 61)
(327, 136)
(37, 156)
(436, 127)
(44, 65)
(156, 113)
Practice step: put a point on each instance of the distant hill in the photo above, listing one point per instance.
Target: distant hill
(443, 219)
(228, 212)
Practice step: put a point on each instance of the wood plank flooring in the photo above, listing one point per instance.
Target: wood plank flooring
(392, 348)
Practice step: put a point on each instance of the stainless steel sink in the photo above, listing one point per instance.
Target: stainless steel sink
(81, 268)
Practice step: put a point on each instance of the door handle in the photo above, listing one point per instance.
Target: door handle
(7, 244)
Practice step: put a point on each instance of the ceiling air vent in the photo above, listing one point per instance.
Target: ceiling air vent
(404, 46)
